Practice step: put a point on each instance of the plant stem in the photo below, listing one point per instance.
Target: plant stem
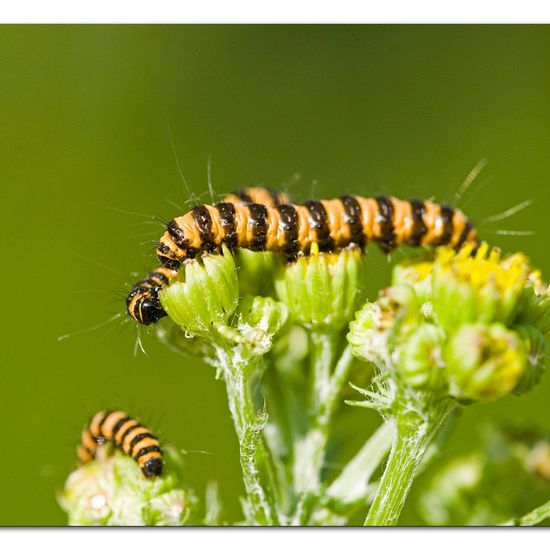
(325, 389)
(279, 435)
(324, 346)
(415, 431)
(352, 483)
(337, 381)
(535, 516)
(249, 426)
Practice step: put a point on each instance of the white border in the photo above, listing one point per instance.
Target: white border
(282, 11)
(275, 11)
(273, 538)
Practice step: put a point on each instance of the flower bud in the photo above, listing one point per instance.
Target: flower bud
(420, 357)
(205, 294)
(416, 274)
(174, 507)
(537, 354)
(481, 288)
(112, 490)
(368, 334)
(323, 290)
(380, 326)
(259, 320)
(484, 361)
(535, 308)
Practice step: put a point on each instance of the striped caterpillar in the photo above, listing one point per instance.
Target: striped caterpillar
(271, 223)
(125, 433)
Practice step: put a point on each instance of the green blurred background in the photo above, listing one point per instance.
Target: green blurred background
(85, 116)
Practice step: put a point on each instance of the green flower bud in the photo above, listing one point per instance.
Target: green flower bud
(420, 357)
(205, 294)
(418, 275)
(258, 320)
(481, 288)
(445, 325)
(405, 297)
(112, 490)
(175, 507)
(380, 326)
(484, 362)
(368, 334)
(537, 354)
(323, 290)
(536, 305)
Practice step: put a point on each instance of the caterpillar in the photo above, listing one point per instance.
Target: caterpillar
(143, 304)
(291, 229)
(127, 434)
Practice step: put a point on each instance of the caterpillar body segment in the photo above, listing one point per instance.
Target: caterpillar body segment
(291, 229)
(127, 434)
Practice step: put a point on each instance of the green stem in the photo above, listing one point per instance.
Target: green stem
(253, 459)
(415, 431)
(352, 483)
(352, 489)
(326, 387)
(281, 432)
(249, 426)
(535, 516)
(337, 381)
(324, 346)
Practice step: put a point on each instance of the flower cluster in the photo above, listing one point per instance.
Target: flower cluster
(469, 324)
(463, 327)
(112, 490)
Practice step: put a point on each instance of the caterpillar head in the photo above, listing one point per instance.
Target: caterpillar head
(144, 306)
(152, 467)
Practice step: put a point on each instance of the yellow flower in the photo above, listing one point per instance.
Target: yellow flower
(480, 287)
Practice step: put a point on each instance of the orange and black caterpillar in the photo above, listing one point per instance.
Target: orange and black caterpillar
(292, 229)
(127, 434)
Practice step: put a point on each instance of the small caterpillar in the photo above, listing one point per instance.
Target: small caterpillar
(125, 433)
(292, 229)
